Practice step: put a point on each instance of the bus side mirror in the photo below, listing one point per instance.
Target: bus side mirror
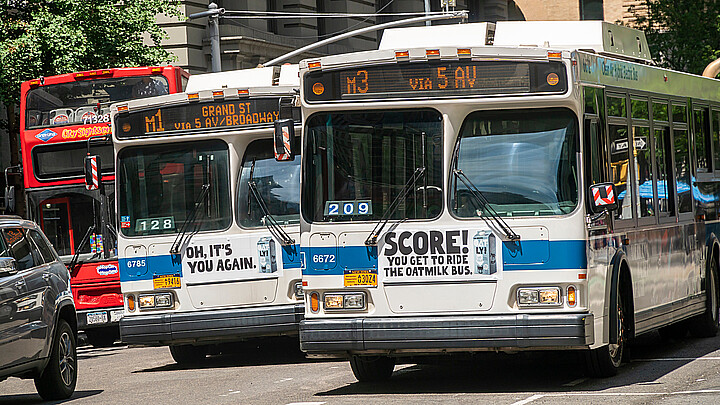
(603, 197)
(284, 139)
(92, 172)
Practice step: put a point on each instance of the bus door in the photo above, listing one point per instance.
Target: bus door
(56, 222)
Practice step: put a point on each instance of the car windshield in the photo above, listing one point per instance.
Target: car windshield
(358, 163)
(524, 162)
(88, 101)
(159, 186)
(277, 182)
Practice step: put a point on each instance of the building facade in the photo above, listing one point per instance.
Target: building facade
(254, 39)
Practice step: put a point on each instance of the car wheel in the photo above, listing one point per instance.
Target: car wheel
(58, 379)
(188, 354)
(372, 368)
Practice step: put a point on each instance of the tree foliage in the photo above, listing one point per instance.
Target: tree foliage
(682, 34)
(50, 37)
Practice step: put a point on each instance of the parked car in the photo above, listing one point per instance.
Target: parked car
(38, 324)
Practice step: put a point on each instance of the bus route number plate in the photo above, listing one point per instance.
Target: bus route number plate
(166, 281)
(360, 278)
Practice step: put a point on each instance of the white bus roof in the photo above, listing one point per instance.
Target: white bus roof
(286, 75)
(458, 35)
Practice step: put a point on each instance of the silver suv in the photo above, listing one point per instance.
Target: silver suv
(38, 325)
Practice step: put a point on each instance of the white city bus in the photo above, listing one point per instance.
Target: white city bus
(208, 237)
(546, 189)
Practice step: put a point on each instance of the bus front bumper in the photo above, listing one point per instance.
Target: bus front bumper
(448, 333)
(210, 326)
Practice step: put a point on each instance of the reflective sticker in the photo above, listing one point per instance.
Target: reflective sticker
(46, 135)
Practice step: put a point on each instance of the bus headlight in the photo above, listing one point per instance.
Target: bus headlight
(539, 296)
(160, 300)
(340, 301)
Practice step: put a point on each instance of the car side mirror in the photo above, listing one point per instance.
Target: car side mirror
(8, 266)
(284, 139)
(93, 178)
(603, 197)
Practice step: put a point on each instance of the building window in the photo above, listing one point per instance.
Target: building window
(591, 10)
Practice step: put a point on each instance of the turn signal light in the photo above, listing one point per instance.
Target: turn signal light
(315, 302)
(571, 297)
(131, 302)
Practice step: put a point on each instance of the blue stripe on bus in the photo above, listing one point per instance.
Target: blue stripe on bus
(143, 268)
(523, 255)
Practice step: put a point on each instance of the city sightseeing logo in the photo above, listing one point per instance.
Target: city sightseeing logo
(46, 135)
(106, 269)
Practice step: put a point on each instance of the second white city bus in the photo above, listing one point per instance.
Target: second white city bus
(208, 219)
(462, 195)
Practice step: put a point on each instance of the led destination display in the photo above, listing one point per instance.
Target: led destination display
(204, 115)
(423, 79)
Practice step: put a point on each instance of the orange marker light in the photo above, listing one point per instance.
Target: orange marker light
(243, 92)
(131, 302)
(156, 70)
(582, 276)
(571, 296)
(218, 93)
(314, 65)
(318, 89)
(122, 108)
(315, 302)
(464, 52)
(554, 54)
(193, 96)
(402, 54)
(432, 52)
(304, 283)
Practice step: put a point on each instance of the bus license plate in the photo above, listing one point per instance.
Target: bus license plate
(360, 278)
(166, 282)
(96, 317)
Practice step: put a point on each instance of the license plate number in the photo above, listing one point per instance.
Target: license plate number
(116, 315)
(97, 317)
(166, 282)
(360, 278)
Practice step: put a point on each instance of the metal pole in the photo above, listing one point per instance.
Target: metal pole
(427, 11)
(450, 16)
(214, 38)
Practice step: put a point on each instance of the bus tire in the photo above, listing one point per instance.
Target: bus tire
(606, 360)
(57, 381)
(372, 368)
(706, 324)
(188, 354)
(103, 337)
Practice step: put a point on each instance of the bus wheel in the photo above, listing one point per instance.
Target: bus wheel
(706, 324)
(188, 354)
(605, 361)
(372, 368)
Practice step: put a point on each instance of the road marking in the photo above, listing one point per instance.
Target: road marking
(613, 394)
(283, 380)
(528, 399)
(306, 403)
(575, 382)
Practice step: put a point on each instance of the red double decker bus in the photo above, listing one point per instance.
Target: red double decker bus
(60, 114)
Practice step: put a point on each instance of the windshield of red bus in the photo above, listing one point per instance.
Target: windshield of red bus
(88, 101)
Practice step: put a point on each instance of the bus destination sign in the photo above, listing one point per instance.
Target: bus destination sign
(202, 115)
(436, 79)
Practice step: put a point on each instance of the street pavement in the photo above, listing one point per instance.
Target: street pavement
(274, 371)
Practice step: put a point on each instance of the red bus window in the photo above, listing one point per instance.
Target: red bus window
(65, 221)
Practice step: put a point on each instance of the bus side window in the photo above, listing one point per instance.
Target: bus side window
(716, 138)
(702, 140)
(663, 164)
(593, 153)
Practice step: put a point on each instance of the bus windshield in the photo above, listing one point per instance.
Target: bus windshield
(161, 184)
(357, 163)
(277, 182)
(524, 162)
(86, 102)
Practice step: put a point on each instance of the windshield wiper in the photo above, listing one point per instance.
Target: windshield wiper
(175, 249)
(268, 220)
(375, 233)
(486, 210)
